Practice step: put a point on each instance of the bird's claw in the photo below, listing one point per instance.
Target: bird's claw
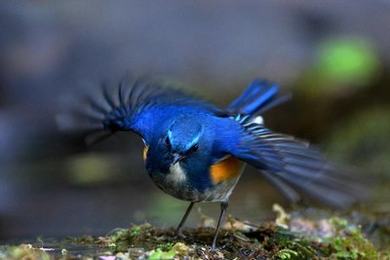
(180, 234)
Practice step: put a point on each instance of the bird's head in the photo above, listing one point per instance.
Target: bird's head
(180, 141)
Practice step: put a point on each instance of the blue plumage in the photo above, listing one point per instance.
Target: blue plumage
(191, 145)
(260, 96)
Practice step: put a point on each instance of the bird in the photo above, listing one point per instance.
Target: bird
(196, 151)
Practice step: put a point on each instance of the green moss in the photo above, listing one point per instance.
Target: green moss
(135, 231)
(159, 254)
(349, 242)
(285, 242)
(343, 240)
(23, 251)
(268, 241)
(166, 246)
(286, 254)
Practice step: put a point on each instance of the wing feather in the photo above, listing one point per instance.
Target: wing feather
(119, 108)
(294, 166)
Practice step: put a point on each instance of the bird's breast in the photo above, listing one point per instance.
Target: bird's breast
(182, 181)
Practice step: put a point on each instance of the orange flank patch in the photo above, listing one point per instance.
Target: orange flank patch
(145, 152)
(226, 169)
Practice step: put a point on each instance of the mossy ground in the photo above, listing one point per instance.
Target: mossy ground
(287, 237)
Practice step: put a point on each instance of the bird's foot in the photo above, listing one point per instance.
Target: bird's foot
(180, 234)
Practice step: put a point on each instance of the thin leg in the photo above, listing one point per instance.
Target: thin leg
(183, 220)
(224, 206)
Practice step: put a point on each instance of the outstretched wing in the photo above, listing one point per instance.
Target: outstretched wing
(293, 165)
(131, 106)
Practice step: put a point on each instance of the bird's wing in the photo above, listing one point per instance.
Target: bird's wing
(125, 108)
(293, 165)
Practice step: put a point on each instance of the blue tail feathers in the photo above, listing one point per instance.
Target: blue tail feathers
(259, 97)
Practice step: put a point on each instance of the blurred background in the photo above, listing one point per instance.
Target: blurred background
(334, 56)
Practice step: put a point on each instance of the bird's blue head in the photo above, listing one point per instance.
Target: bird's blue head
(179, 142)
(182, 138)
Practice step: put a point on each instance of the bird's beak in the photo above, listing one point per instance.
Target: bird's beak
(177, 158)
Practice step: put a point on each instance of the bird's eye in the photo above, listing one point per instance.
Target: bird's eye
(193, 149)
(168, 142)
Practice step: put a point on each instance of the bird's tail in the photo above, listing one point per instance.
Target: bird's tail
(259, 97)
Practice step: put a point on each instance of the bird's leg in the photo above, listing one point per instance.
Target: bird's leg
(183, 220)
(224, 206)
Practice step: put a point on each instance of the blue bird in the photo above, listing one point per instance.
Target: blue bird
(197, 152)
